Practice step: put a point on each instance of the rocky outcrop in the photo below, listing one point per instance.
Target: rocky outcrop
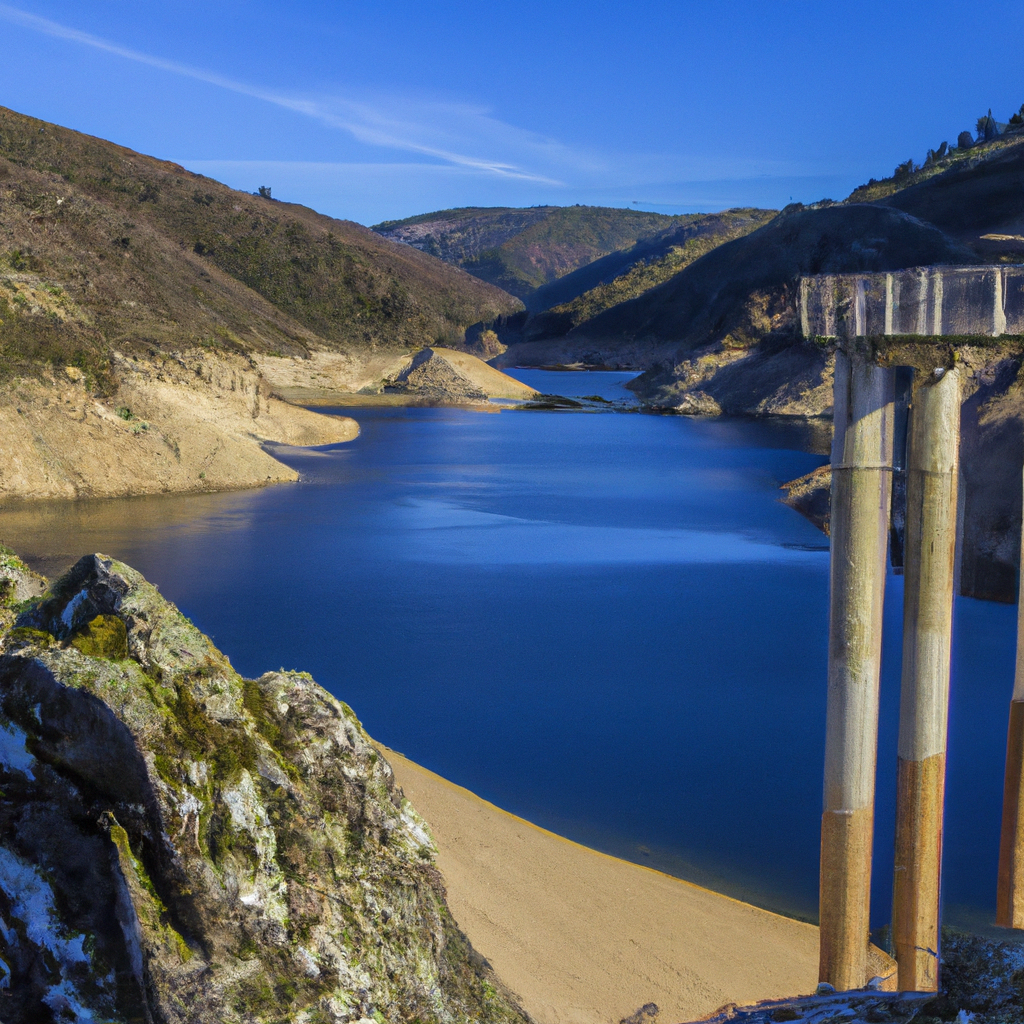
(810, 495)
(431, 376)
(761, 380)
(444, 375)
(181, 844)
(18, 583)
(980, 982)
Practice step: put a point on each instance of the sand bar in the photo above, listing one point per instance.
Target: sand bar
(584, 938)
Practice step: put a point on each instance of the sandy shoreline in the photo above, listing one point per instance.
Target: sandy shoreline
(584, 938)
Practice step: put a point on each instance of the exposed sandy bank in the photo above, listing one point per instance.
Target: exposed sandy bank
(196, 423)
(583, 938)
(330, 371)
(433, 376)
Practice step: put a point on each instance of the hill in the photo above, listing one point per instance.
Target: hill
(578, 297)
(520, 250)
(137, 301)
(672, 300)
(101, 246)
(731, 301)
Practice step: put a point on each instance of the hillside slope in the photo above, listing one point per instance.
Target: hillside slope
(977, 199)
(103, 246)
(137, 300)
(628, 273)
(733, 308)
(520, 250)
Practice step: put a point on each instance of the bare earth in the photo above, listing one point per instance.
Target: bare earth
(193, 423)
(583, 938)
(439, 376)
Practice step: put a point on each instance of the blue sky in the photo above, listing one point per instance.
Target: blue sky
(382, 110)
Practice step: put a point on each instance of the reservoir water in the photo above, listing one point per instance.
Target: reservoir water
(606, 623)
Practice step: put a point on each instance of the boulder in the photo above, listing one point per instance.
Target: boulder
(180, 844)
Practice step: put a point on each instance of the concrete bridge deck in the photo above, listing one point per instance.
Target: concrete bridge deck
(964, 302)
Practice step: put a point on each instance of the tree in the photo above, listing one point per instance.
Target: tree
(904, 170)
(964, 140)
(1018, 119)
(265, 192)
(986, 128)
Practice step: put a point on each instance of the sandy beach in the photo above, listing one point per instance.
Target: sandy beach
(584, 938)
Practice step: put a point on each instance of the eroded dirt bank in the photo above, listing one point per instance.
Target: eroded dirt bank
(196, 422)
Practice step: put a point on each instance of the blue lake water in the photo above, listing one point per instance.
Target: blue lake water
(604, 622)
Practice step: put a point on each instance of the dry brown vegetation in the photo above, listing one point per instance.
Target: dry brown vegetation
(102, 247)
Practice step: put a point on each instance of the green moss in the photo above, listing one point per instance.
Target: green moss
(123, 844)
(168, 770)
(159, 923)
(26, 636)
(255, 996)
(229, 758)
(256, 704)
(102, 637)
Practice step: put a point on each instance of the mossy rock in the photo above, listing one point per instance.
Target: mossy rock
(25, 635)
(103, 637)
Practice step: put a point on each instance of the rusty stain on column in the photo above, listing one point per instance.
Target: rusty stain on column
(862, 450)
(932, 467)
(1010, 892)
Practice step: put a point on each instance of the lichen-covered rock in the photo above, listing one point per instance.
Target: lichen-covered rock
(181, 844)
(18, 583)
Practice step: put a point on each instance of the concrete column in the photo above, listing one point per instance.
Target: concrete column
(861, 483)
(1010, 894)
(932, 467)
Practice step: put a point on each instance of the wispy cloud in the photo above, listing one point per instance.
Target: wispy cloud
(452, 133)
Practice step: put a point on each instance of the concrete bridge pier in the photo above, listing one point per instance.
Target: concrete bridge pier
(929, 553)
(1010, 892)
(862, 451)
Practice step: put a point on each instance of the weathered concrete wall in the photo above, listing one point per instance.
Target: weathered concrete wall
(925, 301)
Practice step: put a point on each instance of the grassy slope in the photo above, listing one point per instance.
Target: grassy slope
(627, 274)
(520, 250)
(711, 299)
(939, 214)
(974, 193)
(102, 246)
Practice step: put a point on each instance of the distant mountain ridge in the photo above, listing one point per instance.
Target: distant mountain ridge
(520, 250)
(570, 301)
